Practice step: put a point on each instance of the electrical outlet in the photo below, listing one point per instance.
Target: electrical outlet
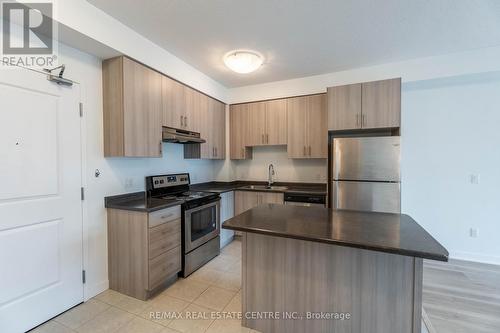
(474, 179)
(473, 232)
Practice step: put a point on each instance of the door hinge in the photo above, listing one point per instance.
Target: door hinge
(82, 193)
(81, 109)
(84, 277)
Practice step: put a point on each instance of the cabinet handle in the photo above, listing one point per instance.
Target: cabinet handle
(363, 117)
(267, 138)
(304, 151)
(186, 121)
(161, 148)
(216, 152)
(242, 152)
(309, 150)
(357, 120)
(263, 140)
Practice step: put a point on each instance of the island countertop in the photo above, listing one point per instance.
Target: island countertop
(383, 232)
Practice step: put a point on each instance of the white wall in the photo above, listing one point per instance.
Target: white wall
(449, 65)
(449, 132)
(296, 170)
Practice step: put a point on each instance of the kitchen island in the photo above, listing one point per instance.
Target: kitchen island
(313, 269)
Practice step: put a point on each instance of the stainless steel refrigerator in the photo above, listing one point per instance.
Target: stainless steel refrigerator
(366, 174)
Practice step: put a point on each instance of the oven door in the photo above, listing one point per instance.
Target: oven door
(201, 225)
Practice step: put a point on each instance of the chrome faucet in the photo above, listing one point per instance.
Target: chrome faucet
(270, 180)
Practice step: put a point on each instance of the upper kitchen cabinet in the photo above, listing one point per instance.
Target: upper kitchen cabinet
(369, 105)
(344, 107)
(132, 109)
(268, 121)
(381, 104)
(215, 135)
(181, 105)
(257, 124)
(276, 122)
(239, 131)
(307, 129)
(173, 103)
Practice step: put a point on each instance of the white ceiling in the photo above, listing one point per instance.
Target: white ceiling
(308, 37)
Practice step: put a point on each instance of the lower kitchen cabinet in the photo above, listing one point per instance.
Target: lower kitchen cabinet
(144, 250)
(245, 200)
(226, 212)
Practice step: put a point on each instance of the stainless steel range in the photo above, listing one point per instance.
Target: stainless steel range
(200, 218)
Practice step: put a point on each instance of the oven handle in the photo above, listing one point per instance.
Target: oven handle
(215, 202)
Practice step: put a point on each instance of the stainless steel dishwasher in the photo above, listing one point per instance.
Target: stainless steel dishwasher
(305, 199)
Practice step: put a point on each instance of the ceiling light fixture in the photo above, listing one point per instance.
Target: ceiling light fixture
(243, 61)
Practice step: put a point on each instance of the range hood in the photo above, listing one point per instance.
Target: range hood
(174, 135)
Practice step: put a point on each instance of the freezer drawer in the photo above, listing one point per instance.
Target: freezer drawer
(366, 196)
(366, 159)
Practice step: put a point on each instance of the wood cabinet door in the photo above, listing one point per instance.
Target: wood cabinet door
(317, 131)
(219, 134)
(235, 132)
(271, 197)
(192, 100)
(297, 123)
(205, 115)
(239, 131)
(142, 104)
(245, 200)
(381, 104)
(172, 103)
(276, 122)
(344, 107)
(257, 124)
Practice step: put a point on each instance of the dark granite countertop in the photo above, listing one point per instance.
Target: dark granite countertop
(137, 202)
(221, 187)
(383, 232)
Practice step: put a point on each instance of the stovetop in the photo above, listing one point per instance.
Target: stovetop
(177, 187)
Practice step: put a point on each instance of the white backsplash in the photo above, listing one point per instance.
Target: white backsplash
(293, 170)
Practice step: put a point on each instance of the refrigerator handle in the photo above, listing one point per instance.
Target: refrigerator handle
(334, 203)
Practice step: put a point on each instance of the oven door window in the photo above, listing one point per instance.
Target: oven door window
(203, 222)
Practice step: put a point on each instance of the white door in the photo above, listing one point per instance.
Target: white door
(40, 203)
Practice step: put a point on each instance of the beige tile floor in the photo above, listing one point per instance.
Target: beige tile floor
(214, 287)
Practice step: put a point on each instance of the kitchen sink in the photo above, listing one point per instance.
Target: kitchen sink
(264, 188)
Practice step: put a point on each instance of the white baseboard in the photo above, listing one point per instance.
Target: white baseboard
(476, 257)
(91, 290)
